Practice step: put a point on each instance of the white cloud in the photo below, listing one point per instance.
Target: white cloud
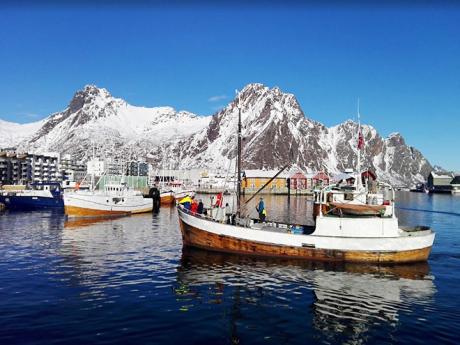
(31, 115)
(217, 107)
(217, 98)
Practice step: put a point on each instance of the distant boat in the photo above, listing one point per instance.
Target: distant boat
(420, 188)
(180, 190)
(113, 200)
(167, 197)
(174, 190)
(38, 196)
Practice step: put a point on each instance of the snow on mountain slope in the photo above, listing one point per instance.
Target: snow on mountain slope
(13, 133)
(95, 118)
(275, 132)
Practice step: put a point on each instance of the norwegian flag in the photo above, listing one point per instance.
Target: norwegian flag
(360, 140)
(219, 200)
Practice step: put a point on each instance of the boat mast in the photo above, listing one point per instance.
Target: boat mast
(238, 186)
(359, 184)
(359, 139)
(93, 179)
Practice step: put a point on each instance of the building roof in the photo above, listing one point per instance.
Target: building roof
(298, 175)
(441, 174)
(253, 173)
(342, 176)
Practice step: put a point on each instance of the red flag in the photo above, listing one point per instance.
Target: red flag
(219, 200)
(360, 140)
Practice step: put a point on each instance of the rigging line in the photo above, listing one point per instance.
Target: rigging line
(246, 203)
(266, 184)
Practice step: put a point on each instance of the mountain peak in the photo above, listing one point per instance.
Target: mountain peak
(87, 95)
(92, 89)
(253, 87)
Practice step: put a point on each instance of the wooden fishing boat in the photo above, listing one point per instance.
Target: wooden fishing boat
(366, 236)
(372, 239)
(167, 198)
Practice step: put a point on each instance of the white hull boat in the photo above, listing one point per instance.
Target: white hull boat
(114, 200)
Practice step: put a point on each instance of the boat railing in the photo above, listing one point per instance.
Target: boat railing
(250, 222)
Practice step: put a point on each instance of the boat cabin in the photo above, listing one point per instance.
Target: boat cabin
(115, 189)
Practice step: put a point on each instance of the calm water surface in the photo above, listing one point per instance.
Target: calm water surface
(129, 280)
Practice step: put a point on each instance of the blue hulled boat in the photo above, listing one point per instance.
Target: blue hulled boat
(39, 196)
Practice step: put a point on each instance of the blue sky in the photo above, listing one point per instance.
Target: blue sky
(402, 62)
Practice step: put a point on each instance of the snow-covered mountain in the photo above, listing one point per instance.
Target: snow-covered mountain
(94, 118)
(11, 134)
(275, 132)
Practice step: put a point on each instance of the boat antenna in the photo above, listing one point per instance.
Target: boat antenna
(238, 161)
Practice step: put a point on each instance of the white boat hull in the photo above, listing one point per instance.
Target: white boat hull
(402, 247)
(99, 205)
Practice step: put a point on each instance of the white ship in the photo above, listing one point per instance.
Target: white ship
(113, 200)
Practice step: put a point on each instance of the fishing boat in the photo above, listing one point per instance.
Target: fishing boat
(341, 237)
(40, 195)
(167, 197)
(174, 191)
(181, 190)
(113, 200)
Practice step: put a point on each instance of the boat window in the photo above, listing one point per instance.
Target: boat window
(348, 196)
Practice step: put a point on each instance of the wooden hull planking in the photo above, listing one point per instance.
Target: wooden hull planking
(167, 199)
(195, 237)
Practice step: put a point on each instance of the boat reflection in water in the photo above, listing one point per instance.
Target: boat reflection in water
(76, 223)
(344, 302)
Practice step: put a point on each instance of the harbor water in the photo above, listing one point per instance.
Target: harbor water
(129, 280)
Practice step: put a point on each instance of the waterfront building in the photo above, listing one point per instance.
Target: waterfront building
(316, 180)
(71, 170)
(298, 181)
(136, 168)
(113, 167)
(440, 182)
(23, 168)
(95, 167)
(254, 179)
